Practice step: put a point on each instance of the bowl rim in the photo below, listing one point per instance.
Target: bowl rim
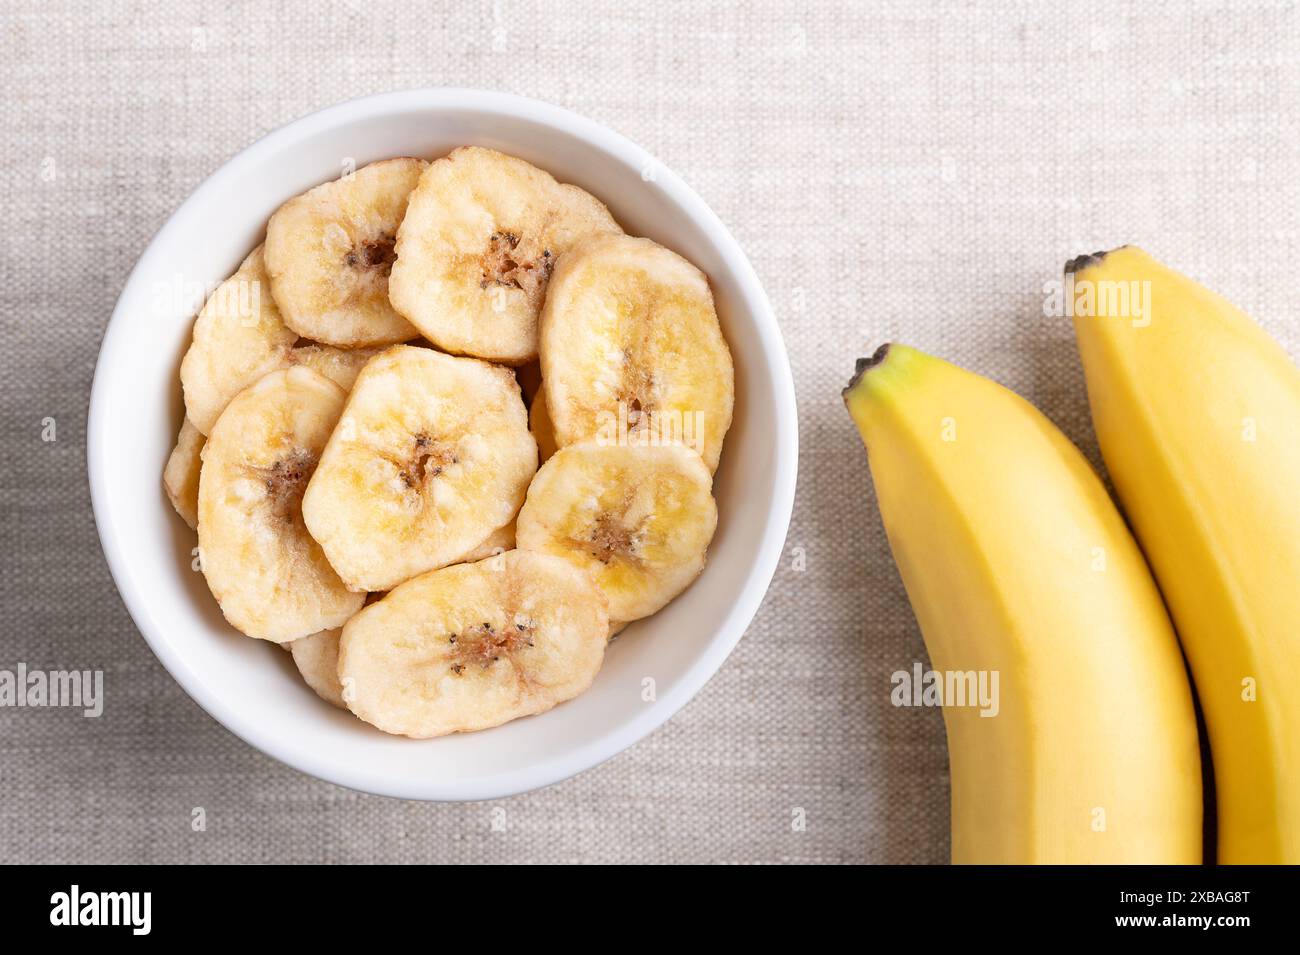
(712, 655)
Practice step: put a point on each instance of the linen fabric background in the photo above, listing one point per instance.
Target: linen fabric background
(895, 171)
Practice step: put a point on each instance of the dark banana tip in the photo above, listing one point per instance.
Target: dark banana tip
(863, 366)
(1081, 262)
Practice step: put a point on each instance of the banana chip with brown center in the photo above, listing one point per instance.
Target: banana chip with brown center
(474, 645)
(269, 576)
(476, 249)
(638, 520)
(431, 455)
(329, 253)
(631, 349)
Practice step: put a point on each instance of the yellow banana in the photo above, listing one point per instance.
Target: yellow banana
(1017, 563)
(1198, 415)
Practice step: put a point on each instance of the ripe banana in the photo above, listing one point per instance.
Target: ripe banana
(1198, 414)
(1017, 563)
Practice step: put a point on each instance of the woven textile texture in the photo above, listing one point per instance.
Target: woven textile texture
(895, 171)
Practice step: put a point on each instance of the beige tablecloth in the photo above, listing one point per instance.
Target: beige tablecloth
(895, 170)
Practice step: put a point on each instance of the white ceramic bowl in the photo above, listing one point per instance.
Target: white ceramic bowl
(251, 686)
